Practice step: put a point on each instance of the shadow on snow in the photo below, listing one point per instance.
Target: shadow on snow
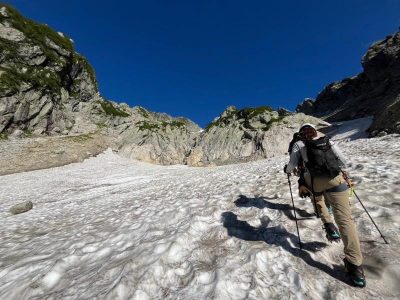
(277, 235)
(261, 203)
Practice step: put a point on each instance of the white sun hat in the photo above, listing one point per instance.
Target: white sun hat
(307, 125)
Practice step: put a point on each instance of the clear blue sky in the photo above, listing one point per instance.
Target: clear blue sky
(193, 58)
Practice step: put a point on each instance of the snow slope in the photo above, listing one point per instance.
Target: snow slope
(350, 130)
(108, 228)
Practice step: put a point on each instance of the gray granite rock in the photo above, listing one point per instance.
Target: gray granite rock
(245, 135)
(21, 207)
(11, 34)
(41, 76)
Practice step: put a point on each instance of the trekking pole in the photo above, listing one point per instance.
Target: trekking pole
(376, 226)
(351, 186)
(313, 198)
(294, 209)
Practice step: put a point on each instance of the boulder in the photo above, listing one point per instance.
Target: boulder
(21, 207)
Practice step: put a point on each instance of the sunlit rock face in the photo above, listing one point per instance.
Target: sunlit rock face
(46, 88)
(158, 138)
(374, 92)
(240, 135)
(42, 78)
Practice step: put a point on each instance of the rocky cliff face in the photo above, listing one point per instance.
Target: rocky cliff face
(46, 88)
(374, 92)
(157, 138)
(247, 134)
(42, 78)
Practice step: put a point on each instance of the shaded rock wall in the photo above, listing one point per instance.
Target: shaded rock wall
(374, 92)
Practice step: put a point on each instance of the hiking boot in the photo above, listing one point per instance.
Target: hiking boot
(356, 273)
(332, 233)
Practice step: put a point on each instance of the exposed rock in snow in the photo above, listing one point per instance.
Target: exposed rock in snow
(21, 207)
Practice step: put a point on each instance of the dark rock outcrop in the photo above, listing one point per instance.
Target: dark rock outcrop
(374, 92)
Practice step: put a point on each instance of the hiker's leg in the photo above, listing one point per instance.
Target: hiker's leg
(347, 228)
(327, 203)
(322, 209)
(318, 186)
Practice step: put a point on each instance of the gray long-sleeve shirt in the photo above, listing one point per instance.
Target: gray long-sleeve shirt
(299, 150)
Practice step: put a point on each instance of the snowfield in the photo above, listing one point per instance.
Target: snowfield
(109, 228)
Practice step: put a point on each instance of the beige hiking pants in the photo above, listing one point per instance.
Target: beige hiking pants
(339, 201)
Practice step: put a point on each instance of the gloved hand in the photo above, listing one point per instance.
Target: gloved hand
(304, 191)
(346, 177)
(350, 183)
(296, 171)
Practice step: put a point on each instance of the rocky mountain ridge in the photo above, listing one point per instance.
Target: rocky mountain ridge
(374, 92)
(49, 90)
(42, 78)
(241, 135)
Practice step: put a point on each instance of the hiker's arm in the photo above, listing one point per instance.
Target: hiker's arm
(339, 155)
(294, 159)
(343, 162)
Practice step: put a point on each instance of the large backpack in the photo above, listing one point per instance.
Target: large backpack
(322, 160)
